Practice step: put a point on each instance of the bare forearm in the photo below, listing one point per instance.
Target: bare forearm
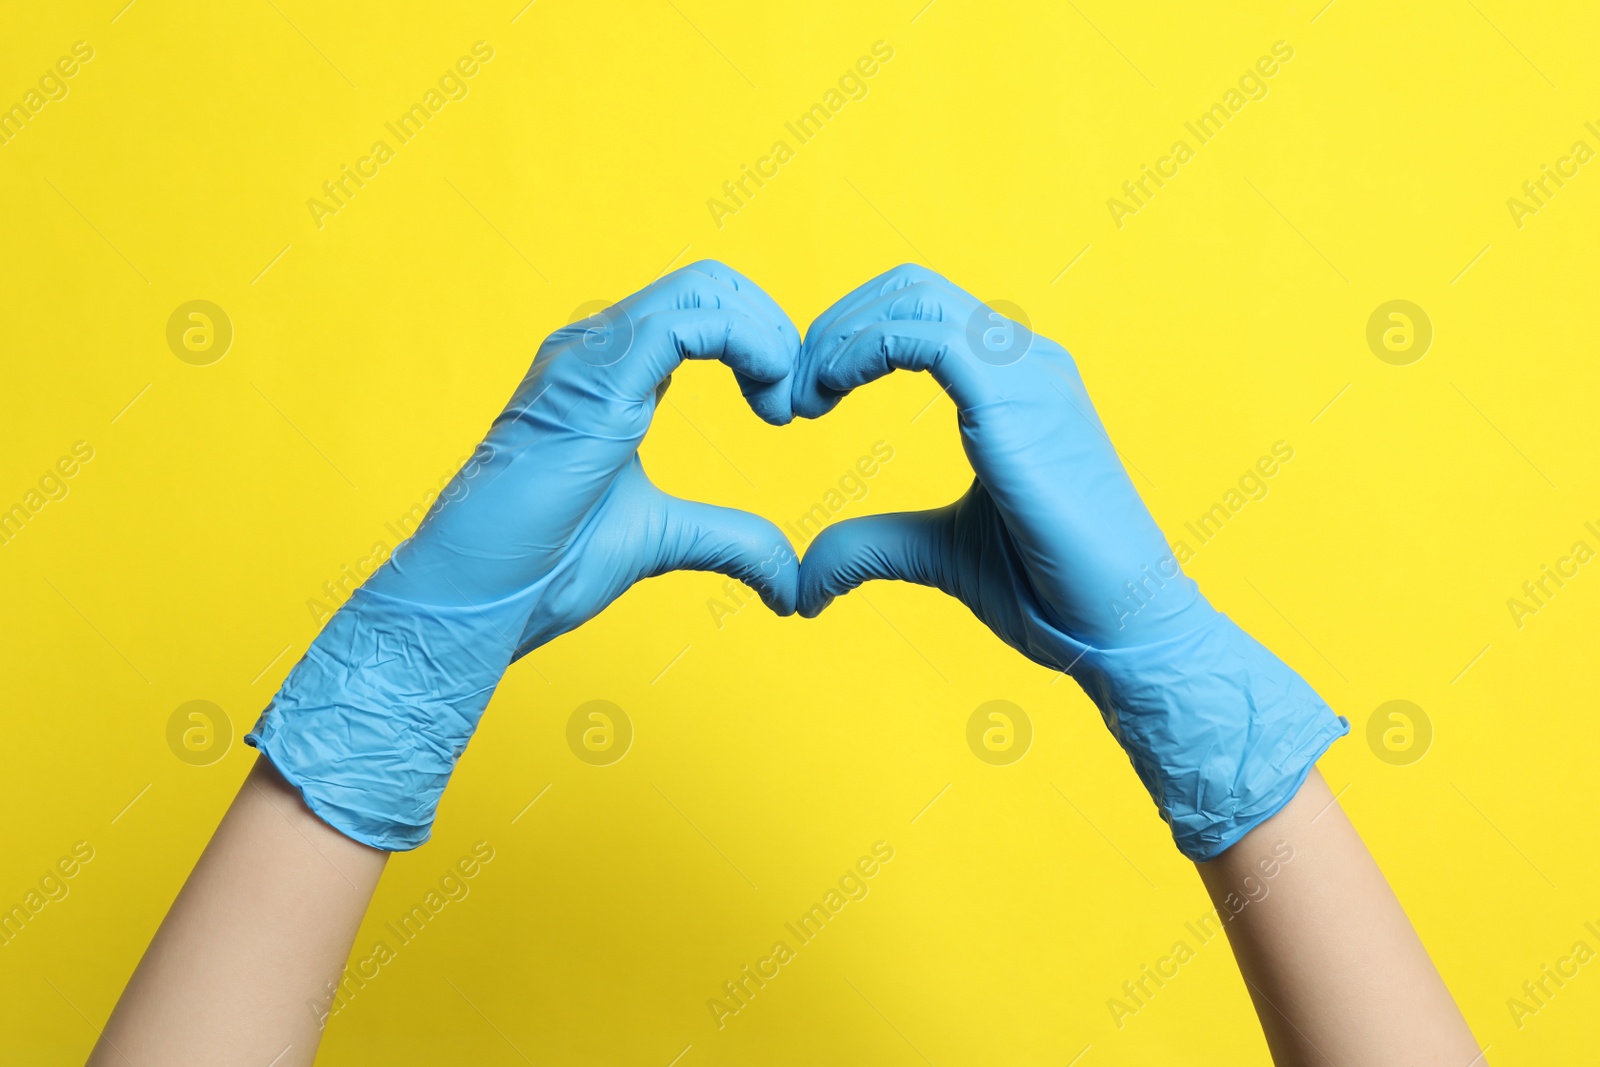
(241, 962)
(1333, 965)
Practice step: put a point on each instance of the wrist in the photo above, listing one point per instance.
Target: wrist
(1220, 731)
(370, 723)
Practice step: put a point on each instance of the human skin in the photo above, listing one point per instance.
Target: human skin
(1333, 965)
(239, 970)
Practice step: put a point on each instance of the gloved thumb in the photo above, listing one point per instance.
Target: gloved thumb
(910, 546)
(704, 537)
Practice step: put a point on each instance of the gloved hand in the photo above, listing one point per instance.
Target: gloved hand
(551, 520)
(1053, 549)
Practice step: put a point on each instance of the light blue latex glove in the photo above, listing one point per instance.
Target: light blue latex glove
(1053, 549)
(551, 520)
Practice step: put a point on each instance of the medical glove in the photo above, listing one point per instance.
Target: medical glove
(1053, 549)
(551, 520)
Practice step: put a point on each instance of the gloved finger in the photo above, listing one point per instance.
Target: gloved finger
(706, 283)
(913, 294)
(810, 398)
(664, 339)
(908, 546)
(766, 307)
(937, 347)
(906, 274)
(769, 400)
(607, 337)
(704, 537)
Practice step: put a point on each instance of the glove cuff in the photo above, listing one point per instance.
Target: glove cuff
(1221, 731)
(370, 723)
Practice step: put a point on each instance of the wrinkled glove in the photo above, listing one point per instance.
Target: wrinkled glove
(1053, 550)
(551, 520)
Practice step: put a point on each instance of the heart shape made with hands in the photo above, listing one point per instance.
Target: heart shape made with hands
(1051, 532)
(553, 518)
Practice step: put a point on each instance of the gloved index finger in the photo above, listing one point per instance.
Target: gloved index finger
(607, 338)
(769, 400)
(890, 325)
(726, 275)
(906, 274)
(751, 346)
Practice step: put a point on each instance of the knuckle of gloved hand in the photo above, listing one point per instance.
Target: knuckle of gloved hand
(709, 266)
(912, 273)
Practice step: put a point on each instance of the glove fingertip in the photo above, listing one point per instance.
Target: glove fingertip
(811, 402)
(771, 403)
(814, 607)
(780, 593)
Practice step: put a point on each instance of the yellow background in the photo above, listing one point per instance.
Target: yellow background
(370, 356)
